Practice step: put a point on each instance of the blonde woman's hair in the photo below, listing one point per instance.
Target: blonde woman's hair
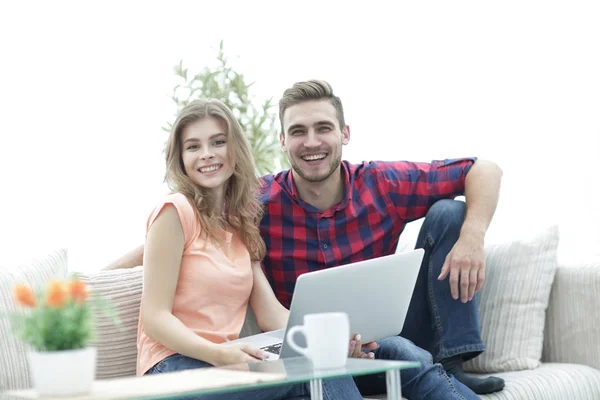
(243, 210)
(307, 91)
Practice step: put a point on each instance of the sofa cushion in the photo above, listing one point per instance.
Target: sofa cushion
(14, 371)
(547, 382)
(117, 347)
(550, 382)
(572, 333)
(513, 302)
(250, 326)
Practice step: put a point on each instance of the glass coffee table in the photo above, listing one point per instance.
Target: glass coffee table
(233, 378)
(300, 369)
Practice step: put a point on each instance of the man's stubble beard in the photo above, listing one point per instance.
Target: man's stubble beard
(315, 179)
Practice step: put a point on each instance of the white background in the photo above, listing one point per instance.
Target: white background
(85, 86)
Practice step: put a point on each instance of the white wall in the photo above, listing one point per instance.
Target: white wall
(85, 90)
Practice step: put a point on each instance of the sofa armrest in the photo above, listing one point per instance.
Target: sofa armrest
(572, 332)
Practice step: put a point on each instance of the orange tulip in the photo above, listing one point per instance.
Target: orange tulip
(78, 290)
(24, 296)
(56, 294)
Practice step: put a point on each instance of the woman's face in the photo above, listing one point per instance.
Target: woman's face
(204, 151)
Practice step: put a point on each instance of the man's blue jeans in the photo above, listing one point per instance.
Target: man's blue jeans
(338, 388)
(429, 381)
(435, 321)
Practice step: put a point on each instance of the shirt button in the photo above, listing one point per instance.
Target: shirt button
(325, 246)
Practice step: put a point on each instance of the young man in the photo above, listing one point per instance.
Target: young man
(324, 213)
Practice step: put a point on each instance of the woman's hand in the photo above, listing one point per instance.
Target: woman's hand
(239, 353)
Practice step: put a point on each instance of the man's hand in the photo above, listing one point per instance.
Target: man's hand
(466, 265)
(131, 259)
(355, 348)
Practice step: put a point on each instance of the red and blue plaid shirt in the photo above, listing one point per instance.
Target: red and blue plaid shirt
(380, 199)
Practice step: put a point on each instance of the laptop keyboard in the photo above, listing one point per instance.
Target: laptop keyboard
(274, 348)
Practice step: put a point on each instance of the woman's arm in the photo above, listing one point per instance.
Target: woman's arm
(162, 261)
(270, 314)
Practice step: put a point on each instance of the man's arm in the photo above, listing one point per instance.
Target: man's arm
(466, 261)
(482, 190)
(130, 260)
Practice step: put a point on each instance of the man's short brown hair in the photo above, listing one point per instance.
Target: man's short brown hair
(307, 91)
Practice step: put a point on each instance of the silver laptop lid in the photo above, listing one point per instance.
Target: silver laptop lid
(375, 294)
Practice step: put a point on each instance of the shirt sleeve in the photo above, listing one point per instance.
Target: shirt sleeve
(414, 187)
(187, 217)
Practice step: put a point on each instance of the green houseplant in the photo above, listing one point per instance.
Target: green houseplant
(257, 118)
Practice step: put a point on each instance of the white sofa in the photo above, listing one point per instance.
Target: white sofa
(540, 320)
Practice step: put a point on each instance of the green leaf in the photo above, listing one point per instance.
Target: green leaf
(256, 117)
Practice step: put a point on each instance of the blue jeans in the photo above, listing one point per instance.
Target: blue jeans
(436, 324)
(435, 321)
(338, 388)
(429, 381)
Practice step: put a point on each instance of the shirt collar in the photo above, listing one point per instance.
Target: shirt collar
(346, 178)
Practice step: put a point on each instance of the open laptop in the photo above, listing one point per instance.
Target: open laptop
(374, 293)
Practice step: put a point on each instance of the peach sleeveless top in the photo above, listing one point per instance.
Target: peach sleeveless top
(213, 290)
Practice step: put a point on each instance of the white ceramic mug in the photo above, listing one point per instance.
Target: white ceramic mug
(327, 338)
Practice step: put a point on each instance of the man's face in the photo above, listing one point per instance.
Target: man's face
(313, 140)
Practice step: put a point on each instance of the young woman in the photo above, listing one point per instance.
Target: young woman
(202, 257)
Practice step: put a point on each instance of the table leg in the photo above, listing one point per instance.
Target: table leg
(316, 389)
(394, 388)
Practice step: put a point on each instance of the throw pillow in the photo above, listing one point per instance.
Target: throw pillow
(572, 329)
(117, 345)
(36, 273)
(513, 302)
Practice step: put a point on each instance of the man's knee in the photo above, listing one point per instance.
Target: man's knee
(451, 212)
(399, 348)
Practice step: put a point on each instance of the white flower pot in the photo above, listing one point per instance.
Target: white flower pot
(62, 373)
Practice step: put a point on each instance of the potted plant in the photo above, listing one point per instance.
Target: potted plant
(58, 323)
